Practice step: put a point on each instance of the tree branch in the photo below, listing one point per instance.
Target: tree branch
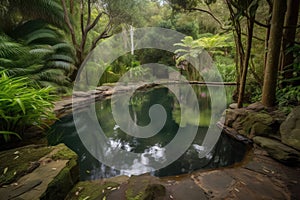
(255, 37)
(211, 14)
(103, 35)
(91, 26)
(89, 14)
(81, 17)
(69, 24)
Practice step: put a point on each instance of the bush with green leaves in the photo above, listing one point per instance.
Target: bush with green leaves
(23, 106)
(288, 97)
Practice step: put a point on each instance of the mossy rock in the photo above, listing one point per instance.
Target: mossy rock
(92, 190)
(20, 161)
(260, 129)
(278, 151)
(290, 129)
(254, 123)
(144, 188)
(60, 186)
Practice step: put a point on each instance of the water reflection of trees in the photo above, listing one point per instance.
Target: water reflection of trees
(226, 152)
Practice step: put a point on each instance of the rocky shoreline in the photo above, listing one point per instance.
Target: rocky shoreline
(270, 170)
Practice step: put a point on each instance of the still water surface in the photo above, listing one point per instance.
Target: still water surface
(226, 151)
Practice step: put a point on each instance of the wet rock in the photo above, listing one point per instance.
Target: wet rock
(278, 151)
(290, 129)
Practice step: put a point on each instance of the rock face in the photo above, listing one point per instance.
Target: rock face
(290, 129)
(38, 172)
(252, 121)
(278, 135)
(279, 151)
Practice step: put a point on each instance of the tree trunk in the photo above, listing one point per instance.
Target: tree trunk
(240, 55)
(288, 38)
(246, 63)
(267, 36)
(270, 76)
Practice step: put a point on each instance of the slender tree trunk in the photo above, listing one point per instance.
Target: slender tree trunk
(267, 36)
(288, 38)
(270, 76)
(246, 63)
(240, 54)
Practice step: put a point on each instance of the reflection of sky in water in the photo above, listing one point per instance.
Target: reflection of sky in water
(152, 148)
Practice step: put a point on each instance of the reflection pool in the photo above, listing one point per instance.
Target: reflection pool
(225, 152)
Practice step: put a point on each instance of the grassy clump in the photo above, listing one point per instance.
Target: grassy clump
(23, 106)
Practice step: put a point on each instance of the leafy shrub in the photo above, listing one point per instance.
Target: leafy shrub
(288, 97)
(23, 106)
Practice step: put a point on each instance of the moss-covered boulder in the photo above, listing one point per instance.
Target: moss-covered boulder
(97, 189)
(60, 186)
(144, 188)
(18, 162)
(290, 129)
(254, 120)
(38, 172)
(250, 123)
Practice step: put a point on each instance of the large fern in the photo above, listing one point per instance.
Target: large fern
(40, 54)
(47, 10)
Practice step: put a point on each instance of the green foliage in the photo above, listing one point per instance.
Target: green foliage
(218, 46)
(14, 12)
(293, 69)
(22, 106)
(226, 67)
(288, 97)
(38, 53)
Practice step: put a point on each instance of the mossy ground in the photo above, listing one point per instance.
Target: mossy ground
(15, 163)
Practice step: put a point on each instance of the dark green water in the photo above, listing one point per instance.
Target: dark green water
(226, 151)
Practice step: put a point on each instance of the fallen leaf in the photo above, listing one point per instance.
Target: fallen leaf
(5, 170)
